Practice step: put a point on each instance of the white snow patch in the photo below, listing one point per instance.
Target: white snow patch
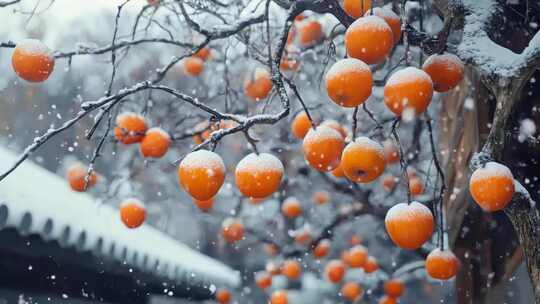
(263, 162)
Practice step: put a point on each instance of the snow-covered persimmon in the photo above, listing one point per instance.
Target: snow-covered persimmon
(355, 240)
(272, 268)
(322, 249)
(333, 124)
(357, 256)
(409, 225)
(291, 269)
(416, 186)
(32, 60)
(193, 66)
(130, 128)
(320, 197)
(223, 296)
(388, 182)
(309, 33)
(76, 176)
(263, 279)
(387, 300)
(232, 230)
(492, 186)
(203, 53)
(155, 143)
(338, 172)
(271, 249)
(369, 39)
(446, 71)
(201, 174)
(258, 175)
(279, 297)
(394, 288)
(391, 152)
(204, 205)
(356, 8)
(335, 271)
(322, 148)
(363, 160)
(291, 207)
(303, 237)
(132, 213)
(442, 264)
(393, 20)
(408, 88)
(371, 265)
(258, 84)
(300, 125)
(349, 82)
(351, 291)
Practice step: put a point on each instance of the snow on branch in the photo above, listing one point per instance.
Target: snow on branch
(490, 58)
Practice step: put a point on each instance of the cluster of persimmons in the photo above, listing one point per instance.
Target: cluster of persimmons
(327, 147)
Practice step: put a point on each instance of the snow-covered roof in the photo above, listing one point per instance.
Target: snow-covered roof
(36, 201)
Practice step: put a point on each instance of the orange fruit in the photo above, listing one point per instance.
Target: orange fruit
(130, 128)
(355, 240)
(76, 176)
(203, 53)
(272, 268)
(290, 59)
(232, 230)
(132, 213)
(322, 249)
(155, 143)
(389, 182)
(193, 66)
(369, 39)
(291, 269)
(336, 126)
(351, 291)
(442, 264)
(391, 152)
(416, 186)
(321, 197)
(349, 82)
(387, 300)
(303, 237)
(204, 129)
(492, 186)
(309, 33)
(357, 257)
(334, 271)
(356, 8)
(205, 205)
(391, 18)
(259, 176)
(263, 279)
(322, 148)
(408, 88)
(409, 225)
(300, 125)
(279, 297)
(258, 85)
(371, 265)
(271, 249)
(338, 172)
(394, 288)
(223, 296)
(291, 207)
(201, 174)
(32, 60)
(153, 2)
(363, 160)
(446, 71)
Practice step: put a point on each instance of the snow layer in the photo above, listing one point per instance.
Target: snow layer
(34, 200)
(264, 162)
